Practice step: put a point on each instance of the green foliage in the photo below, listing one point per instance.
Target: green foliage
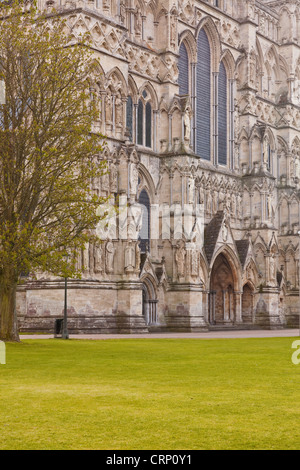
(48, 150)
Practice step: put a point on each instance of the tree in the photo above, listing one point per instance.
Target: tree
(49, 154)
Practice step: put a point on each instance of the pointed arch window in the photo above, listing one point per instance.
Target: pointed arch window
(183, 67)
(144, 121)
(222, 116)
(203, 93)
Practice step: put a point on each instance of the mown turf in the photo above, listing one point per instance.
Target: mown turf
(150, 394)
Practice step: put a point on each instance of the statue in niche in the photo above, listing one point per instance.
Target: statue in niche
(239, 206)
(122, 11)
(191, 190)
(109, 256)
(98, 258)
(187, 125)
(201, 195)
(108, 108)
(138, 21)
(119, 111)
(228, 204)
(135, 220)
(269, 206)
(86, 258)
(113, 178)
(133, 178)
(180, 260)
(224, 232)
(272, 268)
(130, 257)
(266, 151)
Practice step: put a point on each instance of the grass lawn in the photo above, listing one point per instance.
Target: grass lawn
(150, 394)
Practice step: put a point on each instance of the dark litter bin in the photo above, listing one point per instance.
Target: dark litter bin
(58, 328)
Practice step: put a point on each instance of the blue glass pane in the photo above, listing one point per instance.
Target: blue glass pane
(148, 125)
(140, 126)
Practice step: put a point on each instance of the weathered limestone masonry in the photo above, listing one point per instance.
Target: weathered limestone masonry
(200, 103)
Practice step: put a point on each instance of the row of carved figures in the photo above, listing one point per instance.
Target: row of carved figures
(99, 258)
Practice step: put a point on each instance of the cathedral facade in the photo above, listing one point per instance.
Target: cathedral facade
(199, 101)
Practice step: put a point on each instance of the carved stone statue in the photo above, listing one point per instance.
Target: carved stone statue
(98, 258)
(180, 260)
(133, 178)
(266, 151)
(269, 206)
(130, 257)
(187, 125)
(86, 258)
(108, 108)
(272, 268)
(113, 178)
(225, 232)
(119, 111)
(135, 220)
(109, 256)
(191, 190)
(138, 21)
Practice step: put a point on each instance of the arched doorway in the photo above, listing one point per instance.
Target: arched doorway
(247, 304)
(149, 302)
(222, 304)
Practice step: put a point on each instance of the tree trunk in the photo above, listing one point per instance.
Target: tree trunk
(8, 313)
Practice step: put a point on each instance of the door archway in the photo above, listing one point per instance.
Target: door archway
(247, 304)
(223, 287)
(149, 302)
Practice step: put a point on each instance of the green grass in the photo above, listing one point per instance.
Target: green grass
(150, 394)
